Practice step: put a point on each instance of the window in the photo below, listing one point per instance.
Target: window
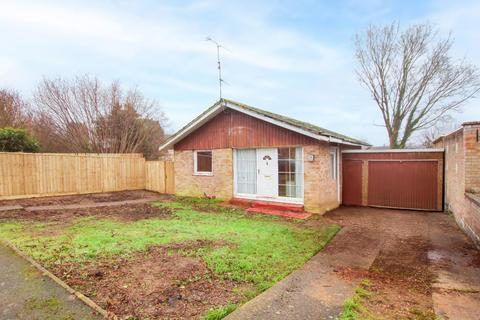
(202, 162)
(246, 171)
(333, 164)
(290, 172)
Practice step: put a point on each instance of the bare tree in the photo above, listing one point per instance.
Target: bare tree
(412, 78)
(87, 116)
(442, 127)
(14, 111)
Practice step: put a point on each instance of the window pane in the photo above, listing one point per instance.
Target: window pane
(283, 153)
(204, 161)
(283, 166)
(333, 165)
(283, 178)
(293, 153)
(246, 171)
(290, 172)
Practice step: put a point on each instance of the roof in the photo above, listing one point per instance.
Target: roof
(468, 123)
(471, 123)
(301, 127)
(393, 150)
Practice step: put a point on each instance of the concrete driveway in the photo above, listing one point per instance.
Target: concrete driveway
(25, 293)
(418, 264)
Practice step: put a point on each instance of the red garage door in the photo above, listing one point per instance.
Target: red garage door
(395, 179)
(403, 184)
(352, 182)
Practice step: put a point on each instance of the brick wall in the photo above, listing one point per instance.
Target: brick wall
(320, 190)
(220, 184)
(471, 137)
(454, 172)
(462, 177)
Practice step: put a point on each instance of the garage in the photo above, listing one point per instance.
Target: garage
(403, 179)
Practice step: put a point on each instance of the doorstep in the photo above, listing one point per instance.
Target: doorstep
(280, 209)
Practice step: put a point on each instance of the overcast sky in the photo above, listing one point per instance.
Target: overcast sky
(290, 57)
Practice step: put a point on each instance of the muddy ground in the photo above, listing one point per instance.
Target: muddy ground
(404, 277)
(159, 283)
(126, 212)
(82, 199)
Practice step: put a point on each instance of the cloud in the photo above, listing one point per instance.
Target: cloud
(291, 58)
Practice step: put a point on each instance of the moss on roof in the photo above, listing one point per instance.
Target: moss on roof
(293, 122)
(297, 123)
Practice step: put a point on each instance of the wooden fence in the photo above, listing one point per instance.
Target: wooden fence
(159, 176)
(25, 175)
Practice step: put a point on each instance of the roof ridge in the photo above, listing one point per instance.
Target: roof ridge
(305, 127)
(297, 123)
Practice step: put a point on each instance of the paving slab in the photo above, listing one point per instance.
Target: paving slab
(315, 291)
(10, 208)
(89, 205)
(26, 294)
(455, 261)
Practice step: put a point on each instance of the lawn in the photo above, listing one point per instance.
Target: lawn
(184, 258)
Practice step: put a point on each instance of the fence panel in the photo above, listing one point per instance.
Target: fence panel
(43, 174)
(159, 176)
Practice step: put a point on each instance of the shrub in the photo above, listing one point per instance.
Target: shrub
(17, 140)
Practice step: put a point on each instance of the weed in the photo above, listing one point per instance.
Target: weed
(50, 304)
(353, 308)
(221, 312)
(420, 314)
(255, 249)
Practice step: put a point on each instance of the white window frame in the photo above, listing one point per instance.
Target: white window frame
(335, 151)
(201, 173)
(259, 197)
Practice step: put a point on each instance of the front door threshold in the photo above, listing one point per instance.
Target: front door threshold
(282, 209)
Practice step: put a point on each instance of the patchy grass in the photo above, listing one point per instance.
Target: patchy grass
(357, 307)
(255, 249)
(421, 314)
(221, 312)
(353, 308)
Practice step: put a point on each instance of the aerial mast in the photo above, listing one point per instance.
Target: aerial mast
(220, 79)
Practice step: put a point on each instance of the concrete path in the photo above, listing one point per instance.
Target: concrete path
(315, 291)
(26, 294)
(457, 266)
(79, 205)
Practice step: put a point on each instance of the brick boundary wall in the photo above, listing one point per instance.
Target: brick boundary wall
(462, 177)
(469, 221)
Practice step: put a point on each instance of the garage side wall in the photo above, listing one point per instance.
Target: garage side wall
(219, 184)
(462, 177)
(320, 189)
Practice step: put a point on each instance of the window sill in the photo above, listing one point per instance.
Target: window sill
(208, 174)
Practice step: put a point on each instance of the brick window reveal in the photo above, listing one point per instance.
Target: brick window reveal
(203, 162)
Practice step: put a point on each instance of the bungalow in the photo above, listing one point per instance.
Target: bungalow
(233, 150)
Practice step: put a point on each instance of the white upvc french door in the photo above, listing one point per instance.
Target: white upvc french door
(273, 174)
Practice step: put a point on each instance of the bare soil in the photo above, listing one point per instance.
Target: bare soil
(159, 283)
(400, 281)
(129, 212)
(404, 274)
(83, 199)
